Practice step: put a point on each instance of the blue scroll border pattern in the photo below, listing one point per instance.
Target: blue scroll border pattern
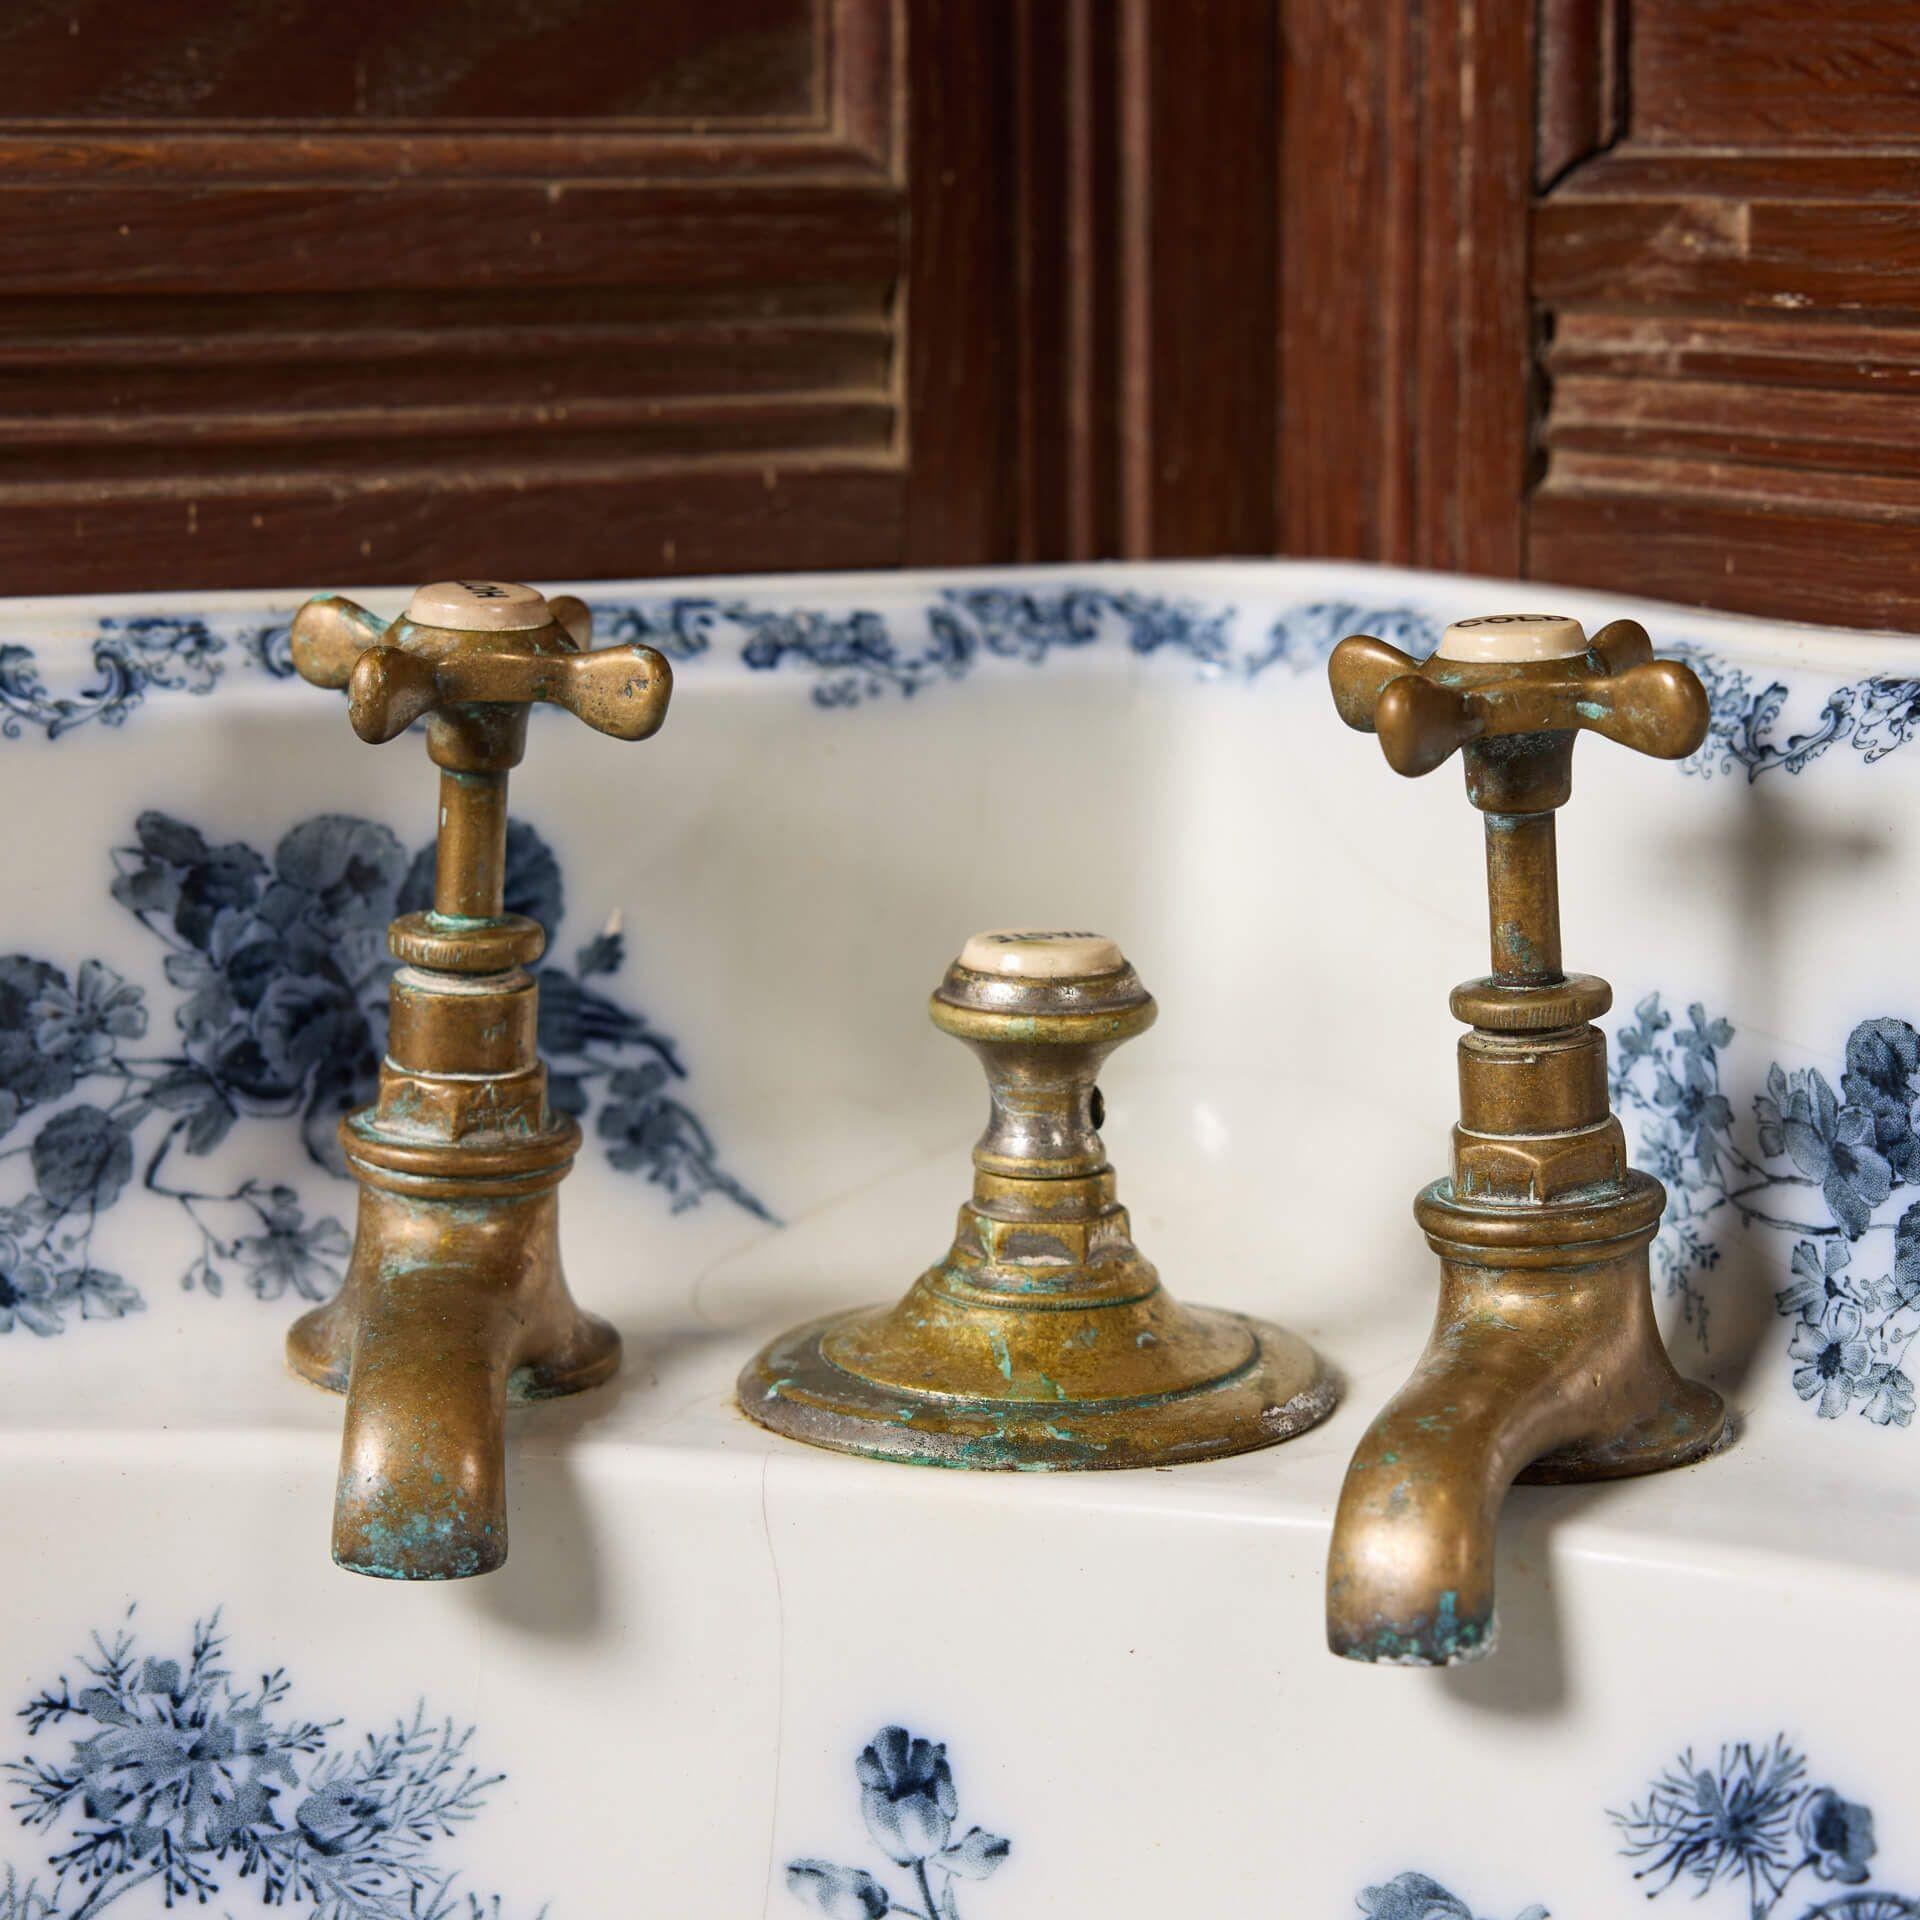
(853, 658)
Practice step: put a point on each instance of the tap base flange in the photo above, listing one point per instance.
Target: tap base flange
(587, 1354)
(1278, 1387)
(1688, 1426)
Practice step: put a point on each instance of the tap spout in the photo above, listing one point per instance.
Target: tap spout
(423, 1482)
(1551, 1371)
(454, 1308)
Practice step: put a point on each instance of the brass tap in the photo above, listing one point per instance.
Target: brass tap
(454, 1302)
(1544, 1363)
(1043, 1339)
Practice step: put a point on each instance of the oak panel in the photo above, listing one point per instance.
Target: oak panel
(1768, 73)
(244, 61)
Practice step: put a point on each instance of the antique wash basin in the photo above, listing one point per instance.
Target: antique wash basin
(727, 1675)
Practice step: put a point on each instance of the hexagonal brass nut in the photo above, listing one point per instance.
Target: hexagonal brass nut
(418, 1106)
(1512, 1168)
(1043, 1243)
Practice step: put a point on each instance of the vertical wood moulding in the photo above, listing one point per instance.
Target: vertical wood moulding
(1407, 135)
(1041, 226)
(961, 344)
(1210, 241)
(1092, 285)
(1496, 347)
(1400, 127)
(1580, 86)
(1335, 243)
(1135, 222)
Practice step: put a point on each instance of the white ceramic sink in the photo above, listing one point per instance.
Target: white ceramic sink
(679, 1686)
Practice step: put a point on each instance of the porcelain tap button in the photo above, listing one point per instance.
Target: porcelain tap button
(479, 606)
(1041, 953)
(1500, 637)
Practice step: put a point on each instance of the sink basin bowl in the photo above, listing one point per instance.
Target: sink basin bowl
(724, 1674)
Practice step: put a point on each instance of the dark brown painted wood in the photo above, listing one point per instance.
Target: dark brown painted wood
(1679, 534)
(402, 525)
(958, 292)
(413, 312)
(1200, 259)
(282, 60)
(1603, 290)
(1730, 311)
(1580, 96)
(1772, 73)
(1408, 137)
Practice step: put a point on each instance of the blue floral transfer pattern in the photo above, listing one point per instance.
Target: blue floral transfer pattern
(151, 653)
(1752, 1819)
(1874, 717)
(1817, 1164)
(1413, 1896)
(166, 1774)
(911, 1807)
(279, 969)
(857, 657)
(850, 658)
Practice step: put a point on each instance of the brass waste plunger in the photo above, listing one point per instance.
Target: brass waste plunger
(1043, 1339)
(454, 1302)
(1545, 1363)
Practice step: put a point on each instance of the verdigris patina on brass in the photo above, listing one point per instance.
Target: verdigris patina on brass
(1043, 1340)
(1545, 1363)
(454, 1302)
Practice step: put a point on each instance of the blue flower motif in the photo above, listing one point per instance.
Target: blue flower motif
(282, 971)
(289, 1255)
(906, 1794)
(1415, 1896)
(1412, 1896)
(28, 1077)
(86, 1022)
(841, 1893)
(1818, 1281)
(1834, 1145)
(1883, 1057)
(648, 1131)
(337, 874)
(1853, 1328)
(1701, 1113)
(1838, 1835)
(28, 1296)
(1731, 1821)
(339, 1817)
(1754, 1823)
(81, 1159)
(1889, 1395)
(1834, 1358)
(909, 1803)
(178, 1780)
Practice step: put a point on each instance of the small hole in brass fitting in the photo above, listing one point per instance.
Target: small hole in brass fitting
(1097, 1109)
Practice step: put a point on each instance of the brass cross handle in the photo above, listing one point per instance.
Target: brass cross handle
(473, 643)
(1517, 673)
(472, 656)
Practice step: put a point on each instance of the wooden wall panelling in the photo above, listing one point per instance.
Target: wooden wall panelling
(959, 290)
(1771, 74)
(419, 60)
(1731, 298)
(1146, 228)
(1408, 156)
(236, 352)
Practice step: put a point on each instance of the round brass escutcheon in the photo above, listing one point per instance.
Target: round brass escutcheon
(1277, 1388)
(1043, 1340)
